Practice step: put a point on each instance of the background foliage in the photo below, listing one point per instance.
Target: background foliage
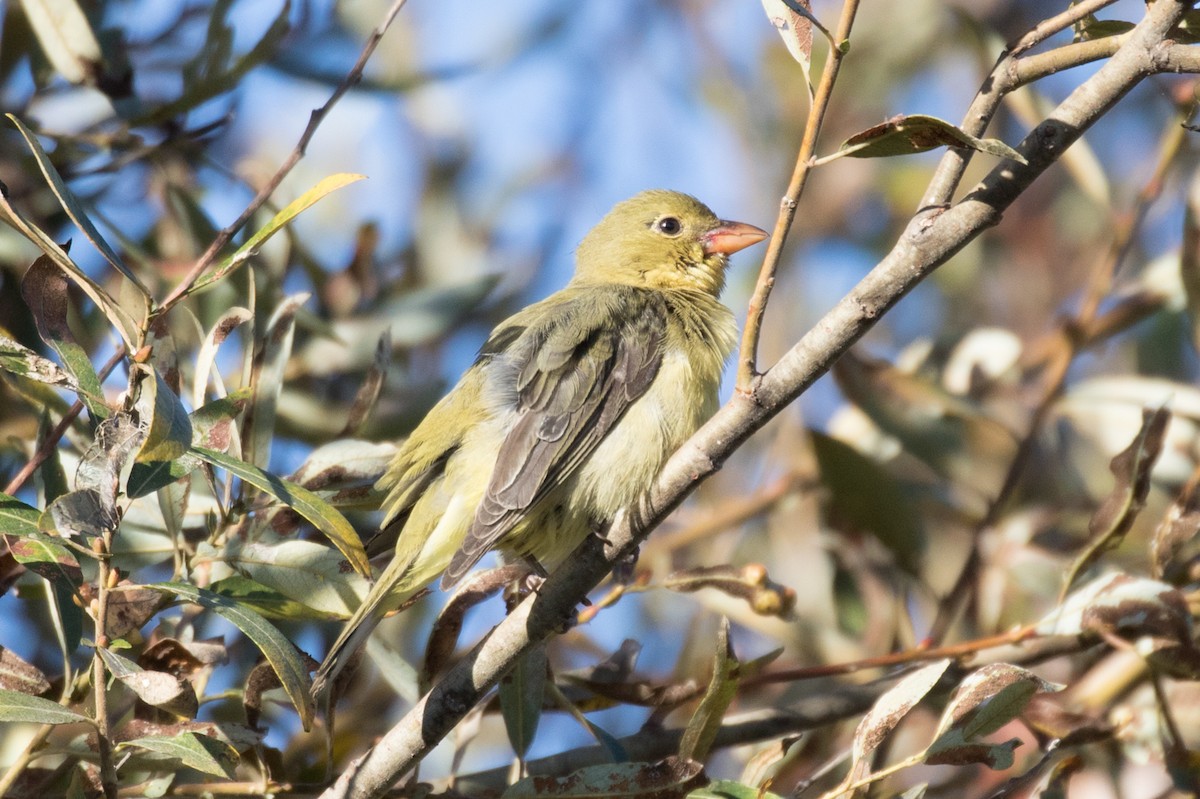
(191, 427)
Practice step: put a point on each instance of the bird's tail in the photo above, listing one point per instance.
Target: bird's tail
(390, 591)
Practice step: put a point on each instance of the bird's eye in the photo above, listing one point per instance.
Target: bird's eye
(668, 225)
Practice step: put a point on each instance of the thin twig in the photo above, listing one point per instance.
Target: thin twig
(298, 152)
(930, 239)
(748, 352)
(108, 771)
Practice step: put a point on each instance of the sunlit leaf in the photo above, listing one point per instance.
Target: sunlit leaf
(278, 650)
(16, 706)
(916, 133)
(277, 223)
(71, 204)
(706, 722)
(66, 37)
(322, 516)
(193, 750)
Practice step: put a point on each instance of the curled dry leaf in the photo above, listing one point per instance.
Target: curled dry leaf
(1131, 470)
(1123, 606)
(990, 697)
(183, 658)
(1176, 539)
(129, 606)
(17, 674)
(915, 133)
(1046, 716)
(159, 689)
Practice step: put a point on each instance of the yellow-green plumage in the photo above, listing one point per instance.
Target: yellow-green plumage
(571, 409)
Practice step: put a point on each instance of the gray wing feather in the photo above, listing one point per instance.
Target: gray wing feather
(574, 382)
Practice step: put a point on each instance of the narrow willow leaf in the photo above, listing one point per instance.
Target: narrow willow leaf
(221, 329)
(278, 650)
(729, 789)
(916, 133)
(889, 710)
(267, 601)
(18, 674)
(321, 514)
(522, 692)
(71, 205)
(66, 37)
(45, 556)
(169, 432)
(989, 698)
(310, 573)
(1131, 472)
(17, 518)
(125, 325)
(277, 223)
(24, 362)
(368, 392)
(258, 428)
(194, 750)
(16, 706)
(156, 688)
(706, 722)
(44, 289)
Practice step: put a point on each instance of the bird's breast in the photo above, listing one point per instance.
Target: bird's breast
(681, 398)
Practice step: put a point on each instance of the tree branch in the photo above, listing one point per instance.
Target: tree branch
(931, 238)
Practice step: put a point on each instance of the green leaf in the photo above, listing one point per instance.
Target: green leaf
(729, 789)
(917, 133)
(46, 556)
(22, 361)
(522, 693)
(126, 327)
(192, 749)
(16, 706)
(321, 514)
(277, 223)
(310, 573)
(1131, 473)
(706, 722)
(847, 476)
(17, 518)
(45, 290)
(264, 600)
(170, 428)
(146, 478)
(278, 650)
(71, 205)
(258, 429)
(66, 37)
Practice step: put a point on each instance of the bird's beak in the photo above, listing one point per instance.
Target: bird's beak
(729, 237)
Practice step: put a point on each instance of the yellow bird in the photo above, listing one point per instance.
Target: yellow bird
(570, 410)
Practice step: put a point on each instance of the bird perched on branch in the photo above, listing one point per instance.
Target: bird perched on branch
(570, 410)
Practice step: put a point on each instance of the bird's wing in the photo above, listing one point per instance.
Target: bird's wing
(575, 377)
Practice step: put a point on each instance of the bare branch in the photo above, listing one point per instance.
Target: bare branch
(933, 236)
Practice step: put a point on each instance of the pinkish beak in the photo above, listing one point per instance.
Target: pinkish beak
(729, 237)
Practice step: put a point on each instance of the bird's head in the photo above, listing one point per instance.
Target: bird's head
(662, 240)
